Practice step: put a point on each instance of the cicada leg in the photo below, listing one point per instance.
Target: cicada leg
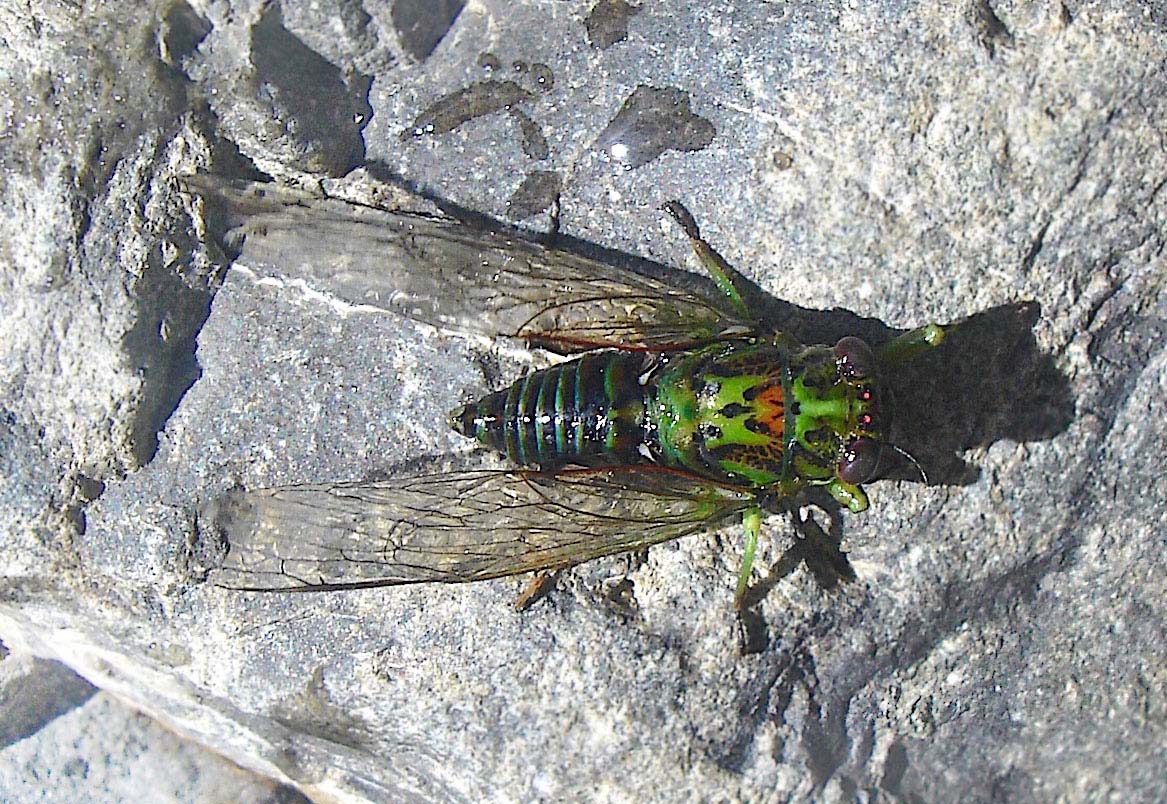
(752, 521)
(722, 273)
(910, 344)
(539, 587)
(848, 495)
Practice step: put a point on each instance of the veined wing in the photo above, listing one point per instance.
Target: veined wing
(442, 271)
(454, 527)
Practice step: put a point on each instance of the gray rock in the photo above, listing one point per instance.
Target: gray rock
(34, 692)
(878, 167)
(88, 746)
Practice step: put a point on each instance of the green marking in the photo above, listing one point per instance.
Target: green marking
(733, 389)
(733, 430)
(735, 433)
(610, 389)
(510, 422)
(540, 413)
(831, 410)
(674, 412)
(560, 410)
(579, 425)
(810, 470)
(610, 404)
(833, 405)
(520, 415)
(755, 476)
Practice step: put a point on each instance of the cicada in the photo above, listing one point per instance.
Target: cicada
(672, 412)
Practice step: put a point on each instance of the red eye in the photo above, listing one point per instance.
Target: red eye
(858, 462)
(856, 362)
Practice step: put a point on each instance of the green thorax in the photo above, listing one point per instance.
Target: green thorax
(766, 414)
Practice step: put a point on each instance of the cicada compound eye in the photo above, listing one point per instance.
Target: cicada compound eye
(856, 360)
(858, 461)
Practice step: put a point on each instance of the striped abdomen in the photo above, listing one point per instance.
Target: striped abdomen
(589, 408)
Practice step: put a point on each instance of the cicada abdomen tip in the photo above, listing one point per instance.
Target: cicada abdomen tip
(465, 420)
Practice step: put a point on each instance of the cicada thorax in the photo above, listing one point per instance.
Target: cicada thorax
(722, 412)
(589, 410)
(773, 415)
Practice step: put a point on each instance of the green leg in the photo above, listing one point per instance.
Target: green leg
(848, 495)
(752, 519)
(719, 269)
(910, 344)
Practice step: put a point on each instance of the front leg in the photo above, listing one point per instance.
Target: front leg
(848, 495)
(910, 344)
(724, 275)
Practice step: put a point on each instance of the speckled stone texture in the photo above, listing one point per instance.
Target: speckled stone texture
(877, 165)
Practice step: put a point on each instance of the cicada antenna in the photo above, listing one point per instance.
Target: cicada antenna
(915, 463)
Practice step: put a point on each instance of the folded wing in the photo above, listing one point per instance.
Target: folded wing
(454, 527)
(442, 271)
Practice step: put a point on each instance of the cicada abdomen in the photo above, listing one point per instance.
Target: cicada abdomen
(591, 410)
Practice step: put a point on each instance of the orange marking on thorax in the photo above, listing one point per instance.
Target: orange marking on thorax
(771, 409)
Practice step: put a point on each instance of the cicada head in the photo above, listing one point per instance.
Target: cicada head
(839, 427)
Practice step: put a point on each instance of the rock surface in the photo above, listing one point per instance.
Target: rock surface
(880, 165)
(65, 741)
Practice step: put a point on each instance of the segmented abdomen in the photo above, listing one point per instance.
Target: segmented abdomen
(587, 409)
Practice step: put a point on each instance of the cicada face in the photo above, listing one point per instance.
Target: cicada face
(839, 428)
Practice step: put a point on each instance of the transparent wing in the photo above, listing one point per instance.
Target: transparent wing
(444, 272)
(454, 527)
